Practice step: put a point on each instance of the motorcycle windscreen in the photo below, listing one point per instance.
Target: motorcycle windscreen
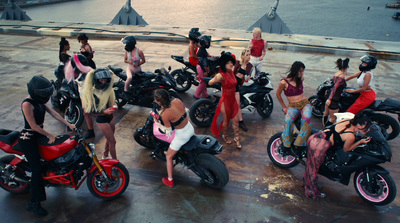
(162, 136)
(61, 146)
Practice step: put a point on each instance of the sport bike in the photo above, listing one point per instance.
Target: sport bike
(197, 155)
(66, 162)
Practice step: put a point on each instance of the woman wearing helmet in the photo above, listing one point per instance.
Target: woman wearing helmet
(98, 99)
(194, 36)
(364, 80)
(227, 105)
(202, 67)
(86, 49)
(63, 53)
(134, 57)
(34, 108)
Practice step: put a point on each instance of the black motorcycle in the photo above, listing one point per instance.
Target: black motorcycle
(389, 125)
(372, 182)
(143, 85)
(66, 98)
(254, 95)
(186, 76)
(197, 155)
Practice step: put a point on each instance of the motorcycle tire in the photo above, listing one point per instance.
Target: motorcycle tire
(118, 91)
(265, 106)
(381, 189)
(183, 83)
(143, 139)
(389, 125)
(202, 112)
(99, 188)
(9, 184)
(318, 107)
(275, 154)
(214, 168)
(75, 117)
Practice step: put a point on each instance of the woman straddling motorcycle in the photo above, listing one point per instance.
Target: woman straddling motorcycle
(202, 67)
(364, 80)
(98, 99)
(34, 108)
(332, 104)
(173, 115)
(292, 87)
(339, 135)
(227, 105)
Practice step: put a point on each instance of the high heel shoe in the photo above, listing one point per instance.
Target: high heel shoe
(226, 139)
(238, 145)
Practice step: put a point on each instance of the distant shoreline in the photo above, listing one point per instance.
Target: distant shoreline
(32, 3)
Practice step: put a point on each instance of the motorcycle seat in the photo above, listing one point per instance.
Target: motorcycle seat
(375, 104)
(8, 136)
(115, 70)
(389, 103)
(199, 141)
(147, 74)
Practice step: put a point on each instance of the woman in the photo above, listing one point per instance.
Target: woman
(134, 57)
(173, 114)
(292, 87)
(98, 99)
(242, 70)
(194, 36)
(341, 135)
(34, 108)
(63, 53)
(86, 49)
(332, 104)
(227, 105)
(364, 80)
(257, 47)
(202, 67)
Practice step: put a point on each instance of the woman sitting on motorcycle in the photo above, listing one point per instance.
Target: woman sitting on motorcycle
(98, 99)
(292, 87)
(194, 36)
(342, 135)
(34, 108)
(332, 104)
(227, 105)
(173, 115)
(364, 80)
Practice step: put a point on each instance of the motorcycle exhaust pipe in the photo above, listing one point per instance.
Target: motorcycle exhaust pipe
(20, 179)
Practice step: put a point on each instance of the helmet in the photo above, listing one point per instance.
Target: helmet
(130, 43)
(205, 41)
(40, 89)
(194, 35)
(263, 79)
(371, 62)
(102, 73)
(77, 61)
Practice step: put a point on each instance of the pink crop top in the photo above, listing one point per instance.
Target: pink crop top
(292, 90)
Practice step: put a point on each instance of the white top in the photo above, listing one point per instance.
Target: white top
(360, 79)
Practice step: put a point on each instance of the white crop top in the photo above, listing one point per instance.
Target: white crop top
(360, 79)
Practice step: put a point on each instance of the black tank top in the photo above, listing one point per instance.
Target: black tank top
(39, 110)
(174, 124)
(337, 139)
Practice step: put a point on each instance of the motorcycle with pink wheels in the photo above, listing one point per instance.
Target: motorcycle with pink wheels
(372, 182)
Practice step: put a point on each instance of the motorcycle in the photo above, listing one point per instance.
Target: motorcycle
(186, 76)
(68, 161)
(66, 98)
(389, 125)
(372, 182)
(143, 85)
(254, 95)
(197, 154)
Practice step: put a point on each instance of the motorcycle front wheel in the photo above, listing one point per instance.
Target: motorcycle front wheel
(183, 83)
(318, 106)
(118, 91)
(74, 115)
(265, 106)
(101, 188)
(380, 190)
(276, 154)
(7, 174)
(202, 112)
(389, 125)
(214, 169)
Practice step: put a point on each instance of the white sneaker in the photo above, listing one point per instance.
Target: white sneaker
(108, 157)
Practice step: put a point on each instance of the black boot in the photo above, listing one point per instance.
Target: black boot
(328, 123)
(36, 208)
(90, 134)
(243, 126)
(324, 120)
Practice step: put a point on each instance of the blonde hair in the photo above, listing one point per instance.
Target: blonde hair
(106, 97)
(257, 30)
(242, 55)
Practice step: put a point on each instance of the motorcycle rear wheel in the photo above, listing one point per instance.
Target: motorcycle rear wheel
(265, 106)
(275, 153)
(388, 124)
(318, 106)
(183, 83)
(75, 117)
(99, 188)
(214, 168)
(380, 191)
(11, 185)
(202, 112)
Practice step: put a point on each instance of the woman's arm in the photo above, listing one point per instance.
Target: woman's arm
(353, 76)
(59, 117)
(126, 59)
(349, 144)
(281, 87)
(141, 54)
(264, 50)
(367, 80)
(217, 78)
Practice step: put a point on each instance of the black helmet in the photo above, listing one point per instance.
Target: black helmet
(101, 73)
(40, 89)
(205, 41)
(371, 62)
(194, 35)
(76, 59)
(130, 42)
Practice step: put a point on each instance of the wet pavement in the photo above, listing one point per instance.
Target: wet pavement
(257, 191)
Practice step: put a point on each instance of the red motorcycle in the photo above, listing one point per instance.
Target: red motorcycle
(67, 161)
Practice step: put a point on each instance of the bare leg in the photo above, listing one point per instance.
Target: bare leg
(108, 130)
(332, 117)
(170, 166)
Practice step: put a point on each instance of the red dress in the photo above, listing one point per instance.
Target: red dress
(228, 99)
